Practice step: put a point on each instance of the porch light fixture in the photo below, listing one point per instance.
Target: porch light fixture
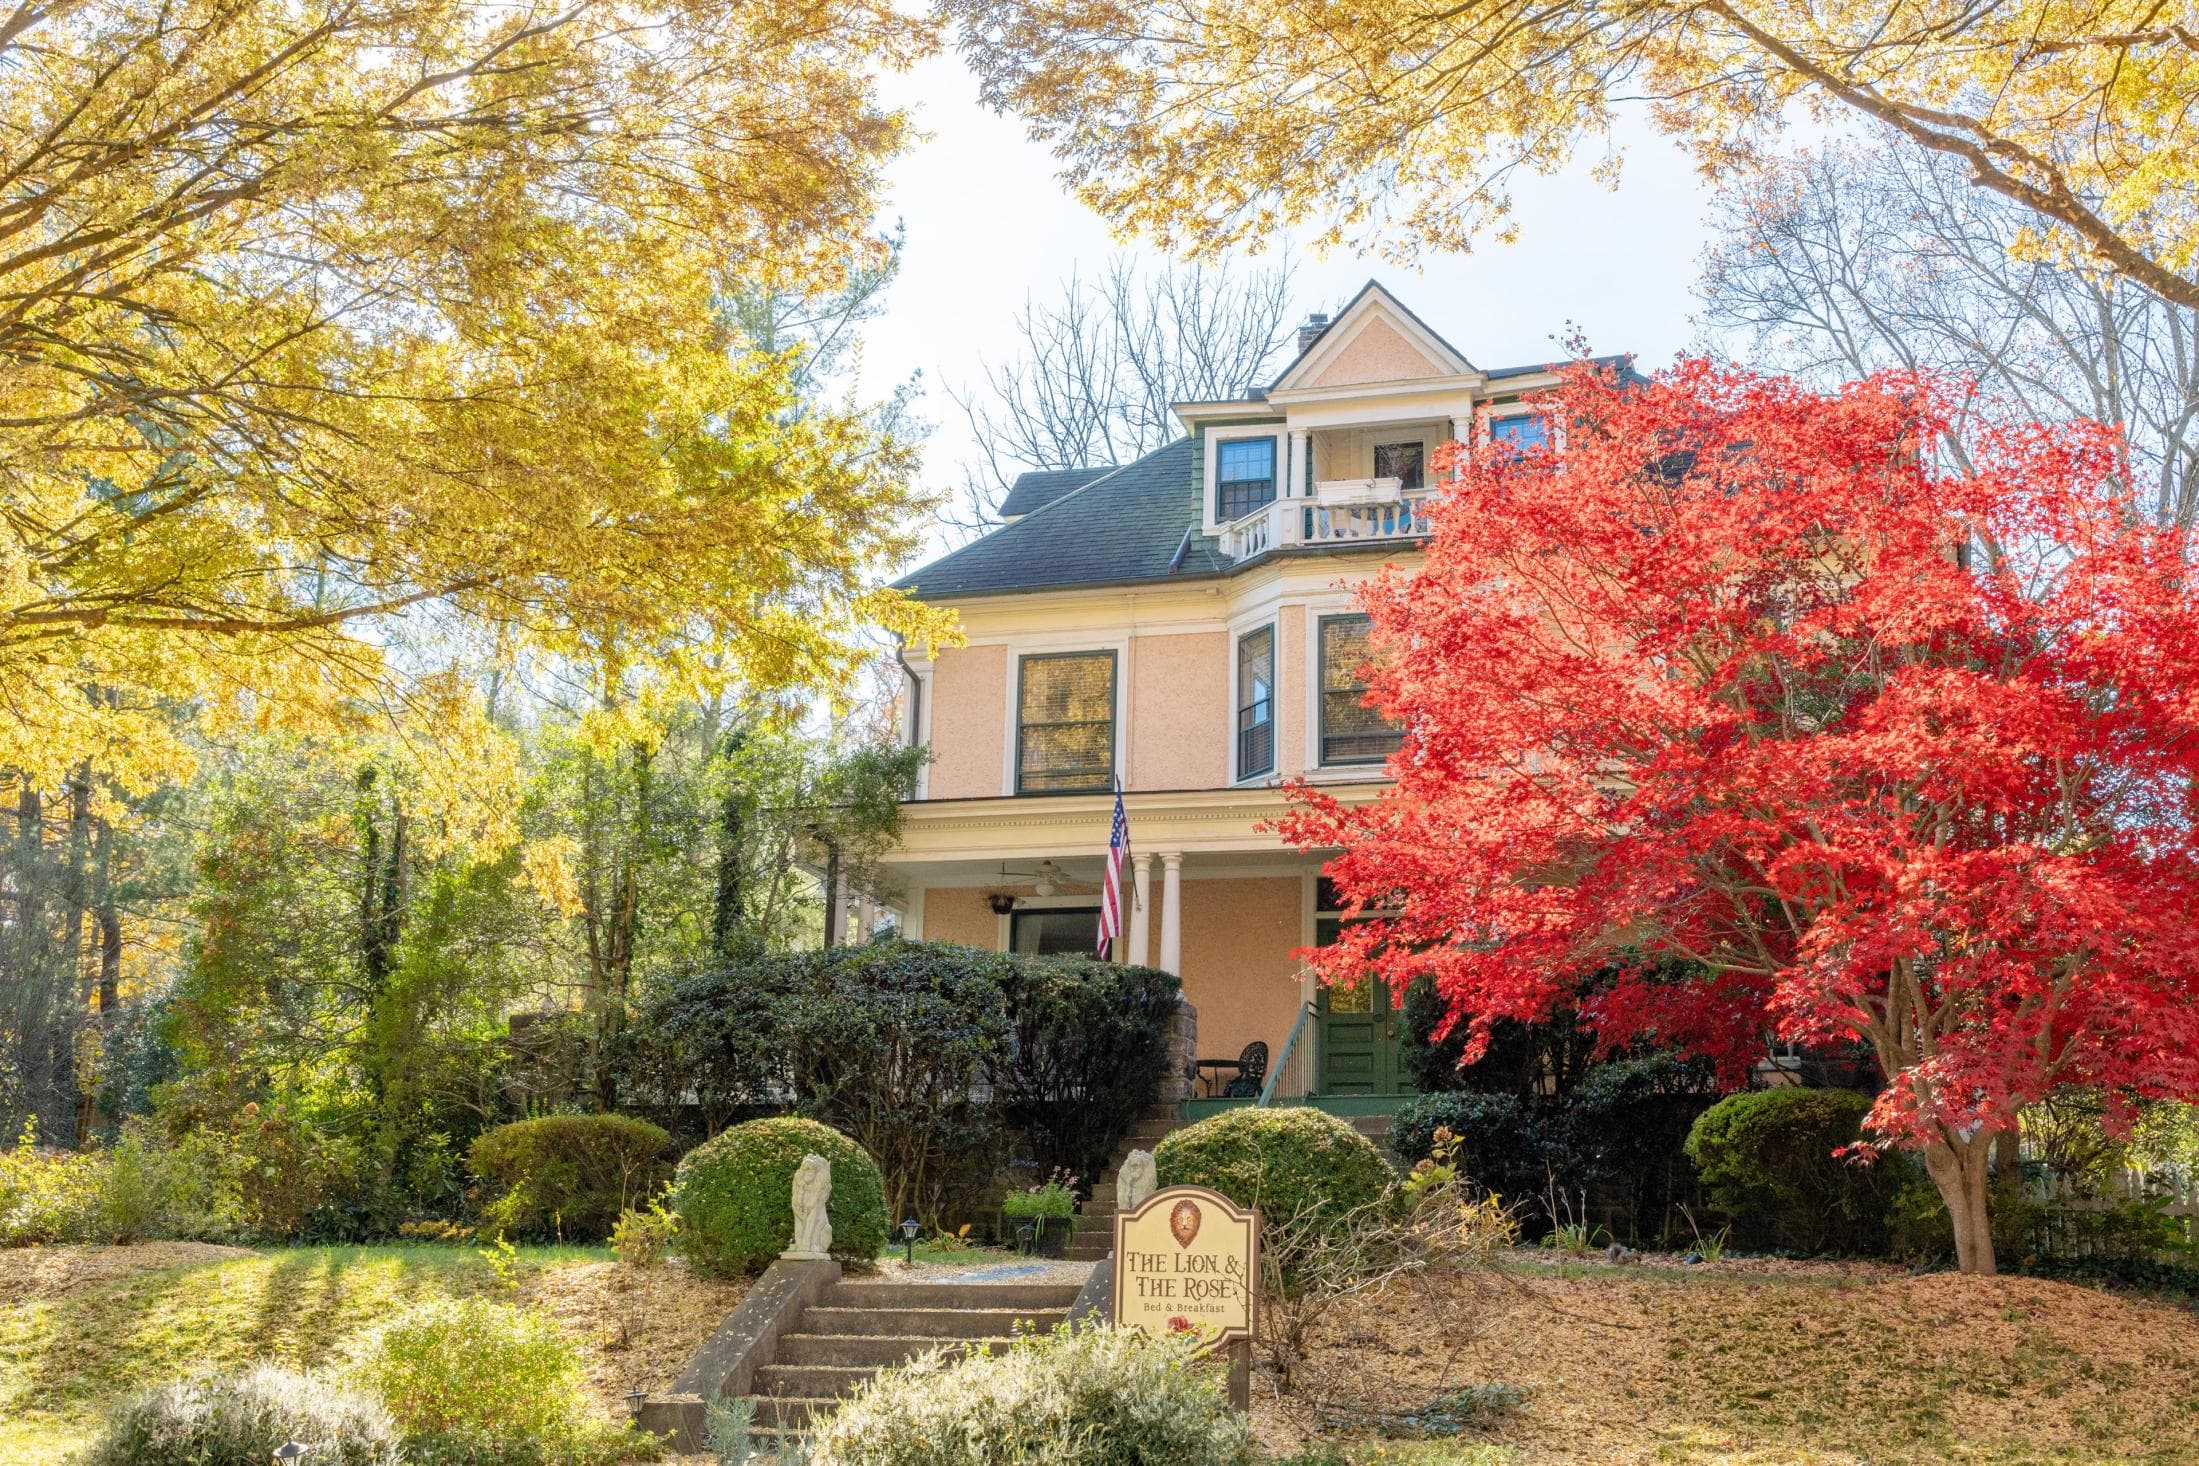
(909, 1228)
(1001, 902)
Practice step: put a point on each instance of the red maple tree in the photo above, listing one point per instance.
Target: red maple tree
(1736, 719)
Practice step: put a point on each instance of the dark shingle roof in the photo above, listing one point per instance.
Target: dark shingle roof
(1035, 490)
(1123, 527)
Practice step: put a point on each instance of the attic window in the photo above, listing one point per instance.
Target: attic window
(1244, 478)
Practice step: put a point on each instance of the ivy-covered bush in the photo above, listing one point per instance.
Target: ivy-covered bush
(1075, 1397)
(239, 1420)
(1089, 1053)
(734, 1195)
(1288, 1161)
(569, 1176)
(473, 1382)
(1767, 1159)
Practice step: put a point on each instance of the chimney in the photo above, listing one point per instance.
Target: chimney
(1311, 331)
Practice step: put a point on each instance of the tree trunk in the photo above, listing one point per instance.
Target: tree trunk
(1959, 1167)
(109, 917)
(725, 916)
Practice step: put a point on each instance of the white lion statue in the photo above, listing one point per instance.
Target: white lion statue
(812, 1228)
(1137, 1180)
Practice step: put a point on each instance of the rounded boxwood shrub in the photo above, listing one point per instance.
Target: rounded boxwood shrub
(734, 1195)
(239, 1419)
(1092, 1396)
(569, 1176)
(1767, 1159)
(1287, 1162)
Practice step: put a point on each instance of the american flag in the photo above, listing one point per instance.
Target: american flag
(1118, 862)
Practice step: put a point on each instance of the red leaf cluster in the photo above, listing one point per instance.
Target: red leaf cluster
(1736, 717)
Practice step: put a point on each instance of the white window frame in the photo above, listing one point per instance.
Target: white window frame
(1039, 646)
(1316, 769)
(1270, 621)
(1215, 437)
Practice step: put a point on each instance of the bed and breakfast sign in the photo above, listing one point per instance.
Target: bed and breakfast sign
(1188, 1260)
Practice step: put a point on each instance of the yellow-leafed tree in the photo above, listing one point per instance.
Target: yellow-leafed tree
(1209, 126)
(322, 321)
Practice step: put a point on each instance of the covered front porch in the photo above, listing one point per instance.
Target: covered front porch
(1215, 900)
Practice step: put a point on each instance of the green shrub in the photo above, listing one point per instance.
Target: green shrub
(1767, 1159)
(644, 1238)
(734, 1195)
(1082, 1397)
(1503, 1146)
(569, 1176)
(1286, 1162)
(1089, 1052)
(239, 1420)
(471, 1382)
(888, 1042)
(49, 1195)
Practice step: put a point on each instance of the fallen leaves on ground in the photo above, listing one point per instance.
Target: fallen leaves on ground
(1762, 1364)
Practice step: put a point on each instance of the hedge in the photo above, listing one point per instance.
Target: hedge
(569, 1176)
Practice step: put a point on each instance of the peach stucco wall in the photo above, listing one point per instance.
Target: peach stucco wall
(1237, 969)
(1377, 354)
(968, 722)
(959, 914)
(1179, 712)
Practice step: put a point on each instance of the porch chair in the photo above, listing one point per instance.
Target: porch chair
(1251, 1072)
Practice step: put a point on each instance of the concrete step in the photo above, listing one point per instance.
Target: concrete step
(936, 1323)
(873, 1351)
(1088, 1251)
(948, 1295)
(811, 1381)
(778, 1412)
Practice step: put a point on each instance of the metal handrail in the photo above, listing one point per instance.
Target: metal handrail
(1275, 1070)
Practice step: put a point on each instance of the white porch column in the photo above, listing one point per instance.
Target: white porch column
(1172, 912)
(1462, 431)
(1140, 947)
(1297, 487)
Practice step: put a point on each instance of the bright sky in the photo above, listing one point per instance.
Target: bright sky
(988, 224)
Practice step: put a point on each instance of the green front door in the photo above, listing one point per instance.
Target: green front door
(1359, 1035)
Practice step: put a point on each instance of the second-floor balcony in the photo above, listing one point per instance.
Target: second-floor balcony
(1339, 512)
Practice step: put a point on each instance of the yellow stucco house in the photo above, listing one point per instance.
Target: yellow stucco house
(1185, 624)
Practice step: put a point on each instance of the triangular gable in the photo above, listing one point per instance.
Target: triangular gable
(1373, 339)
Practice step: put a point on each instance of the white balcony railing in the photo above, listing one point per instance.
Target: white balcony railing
(1342, 512)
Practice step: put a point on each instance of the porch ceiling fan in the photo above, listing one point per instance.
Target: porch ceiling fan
(1046, 879)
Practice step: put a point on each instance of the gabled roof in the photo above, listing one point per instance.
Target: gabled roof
(1372, 299)
(1136, 523)
(1040, 487)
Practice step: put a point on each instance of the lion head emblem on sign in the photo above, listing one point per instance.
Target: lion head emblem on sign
(1184, 1222)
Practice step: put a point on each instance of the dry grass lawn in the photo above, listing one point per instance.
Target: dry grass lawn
(1763, 1363)
(81, 1327)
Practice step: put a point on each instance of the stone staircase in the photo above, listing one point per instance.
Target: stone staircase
(857, 1328)
(1094, 1236)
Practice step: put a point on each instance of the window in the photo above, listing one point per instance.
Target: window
(1526, 432)
(1065, 724)
(1351, 732)
(1065, 932)
(1256, 702)
(1244, 477)
(1400, 461)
